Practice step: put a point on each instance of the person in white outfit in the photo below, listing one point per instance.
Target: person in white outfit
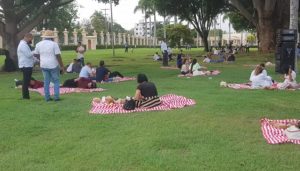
(289, 79)
(196, 69)
(264, 71)
(259, 79)
(292, 130)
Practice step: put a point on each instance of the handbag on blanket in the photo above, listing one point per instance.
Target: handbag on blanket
(129, 104)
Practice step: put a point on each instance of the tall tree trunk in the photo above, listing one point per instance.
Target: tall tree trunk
(205, 42)
(266, 34)
(150, 23)
(11, 44)
(165, 29)
(294, 7)
(154, 43)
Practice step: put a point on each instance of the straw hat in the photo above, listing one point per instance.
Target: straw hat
(48, 34)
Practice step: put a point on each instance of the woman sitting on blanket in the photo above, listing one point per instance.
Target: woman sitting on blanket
(292, 130)
(195, 68)
(81, 82)
(146, 93)
(289, 79)
(104, 75)
(264, 72)
(259, 79)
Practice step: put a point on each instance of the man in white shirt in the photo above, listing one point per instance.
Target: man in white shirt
(51, 63)
(87, 72)
(164, 50)
(26, 62)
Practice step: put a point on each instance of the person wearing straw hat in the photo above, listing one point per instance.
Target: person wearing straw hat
(51, 63)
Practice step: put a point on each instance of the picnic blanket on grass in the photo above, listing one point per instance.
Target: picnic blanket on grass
(275, 135)
(169, 67)
(212, 73)
(119, 79)
(168, 102)
(239, 86)
(66, 90)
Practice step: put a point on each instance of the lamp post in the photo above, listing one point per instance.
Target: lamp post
(111, 27)
(106, 23)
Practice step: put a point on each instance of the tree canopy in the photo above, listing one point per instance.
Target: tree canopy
(200, 13)
(18, 17)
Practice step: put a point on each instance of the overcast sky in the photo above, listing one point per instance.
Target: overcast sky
(122, 13)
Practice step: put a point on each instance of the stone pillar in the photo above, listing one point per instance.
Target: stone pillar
(114, 38)
(102, 37)
(144, 43)
(56, 35)
(119, 39)
(133, 40)
(66, 38)
(83, 33)
(42, 32)
(124, 38)
(75, 33)
(96, 35)
(129, 41)
(107, 38)
(147, 41)
(1, 42)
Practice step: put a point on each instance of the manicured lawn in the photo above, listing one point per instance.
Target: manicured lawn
(221, 132)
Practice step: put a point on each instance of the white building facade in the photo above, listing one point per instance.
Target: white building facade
(139, 29)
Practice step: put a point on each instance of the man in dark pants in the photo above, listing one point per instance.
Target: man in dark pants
(26, 62)
(164, 50)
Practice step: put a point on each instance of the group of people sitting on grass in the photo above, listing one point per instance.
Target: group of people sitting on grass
(193, 68)
(87, 79)
(222, 57)
(260, 79)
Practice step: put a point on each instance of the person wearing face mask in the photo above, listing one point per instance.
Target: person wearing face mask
(25, 62)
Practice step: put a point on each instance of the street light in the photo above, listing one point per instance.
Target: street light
(106, 22)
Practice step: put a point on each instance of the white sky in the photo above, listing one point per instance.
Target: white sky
(122, 13)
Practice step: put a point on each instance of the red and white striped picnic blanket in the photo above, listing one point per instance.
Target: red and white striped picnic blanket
(119, 79)
(213, 73)
(275, 135)
(168, 102)
(65, 90)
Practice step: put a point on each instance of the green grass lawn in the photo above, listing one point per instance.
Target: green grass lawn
(221, 132)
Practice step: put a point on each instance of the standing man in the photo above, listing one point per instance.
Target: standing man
(80, 53)
(50, 61)
(164, 50)
(26, 62)
(126, 47)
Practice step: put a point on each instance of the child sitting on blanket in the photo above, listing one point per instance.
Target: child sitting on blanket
(292, 130)
(185, 67)
(289, 79)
